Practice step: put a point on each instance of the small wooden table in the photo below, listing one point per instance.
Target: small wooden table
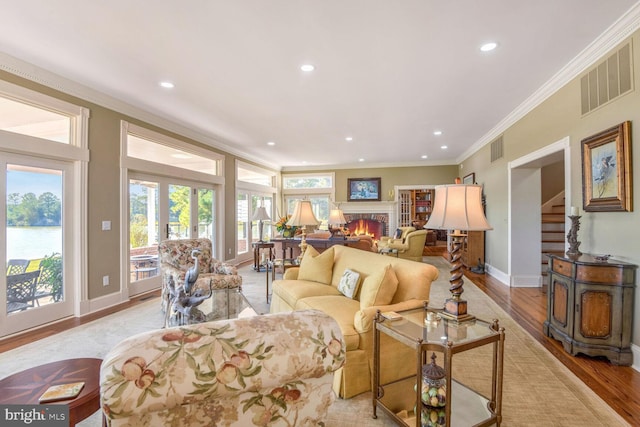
(27, 386)
(257, 261)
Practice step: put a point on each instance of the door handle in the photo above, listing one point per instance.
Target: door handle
(167, 230)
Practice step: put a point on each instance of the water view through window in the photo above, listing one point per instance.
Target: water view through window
(33, 237)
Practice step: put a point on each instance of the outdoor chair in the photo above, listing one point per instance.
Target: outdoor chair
(17, 266)
(21, 290)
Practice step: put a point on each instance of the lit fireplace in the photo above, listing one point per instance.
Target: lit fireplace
(378, 217)
(373, 227)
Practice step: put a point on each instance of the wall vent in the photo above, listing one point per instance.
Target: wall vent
(607, 80)
(497, 149)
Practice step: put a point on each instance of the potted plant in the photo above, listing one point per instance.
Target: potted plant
(286, 230)
(51, 275)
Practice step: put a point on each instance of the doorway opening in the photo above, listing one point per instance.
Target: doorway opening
(525, 210)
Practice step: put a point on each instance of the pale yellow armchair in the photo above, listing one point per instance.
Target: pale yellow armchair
(395, 238)
(411, 247)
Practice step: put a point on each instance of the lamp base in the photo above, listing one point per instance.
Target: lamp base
(337, 234)
(456, 310)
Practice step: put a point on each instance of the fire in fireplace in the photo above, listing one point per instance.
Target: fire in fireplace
(369, 227)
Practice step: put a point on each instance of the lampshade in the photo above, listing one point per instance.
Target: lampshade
(260, 214)
(303, 214)
(336, 217)
(458, 207)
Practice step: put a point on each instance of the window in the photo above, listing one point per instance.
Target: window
(254, 175)
(254, 189)
(24, 119)
(43, 156)
(318, 188)
(290, 182)
(174, 192)
(145, 149)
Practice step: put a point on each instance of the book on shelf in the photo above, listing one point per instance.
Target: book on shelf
(61, 392)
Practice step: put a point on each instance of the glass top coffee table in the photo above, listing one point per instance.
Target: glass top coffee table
(223, 304)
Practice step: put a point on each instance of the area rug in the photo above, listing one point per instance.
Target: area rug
(538, 390)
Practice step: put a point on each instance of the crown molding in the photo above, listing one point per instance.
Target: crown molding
(446, 162)
(49, 79)
(620, 30)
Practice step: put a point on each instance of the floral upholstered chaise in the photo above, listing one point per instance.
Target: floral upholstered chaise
(272, 370)
(175, 260)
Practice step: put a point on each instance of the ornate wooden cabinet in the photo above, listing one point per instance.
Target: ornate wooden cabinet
(590, 306)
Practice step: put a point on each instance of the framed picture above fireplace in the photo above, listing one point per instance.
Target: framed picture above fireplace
(363, 189)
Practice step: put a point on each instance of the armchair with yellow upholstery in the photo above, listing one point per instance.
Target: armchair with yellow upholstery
(386, 240)
(411, 247)
(175, 259)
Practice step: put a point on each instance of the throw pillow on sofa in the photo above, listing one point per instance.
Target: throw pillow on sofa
(316, 267)
(349, 283)
(379, 288)
(397, 234)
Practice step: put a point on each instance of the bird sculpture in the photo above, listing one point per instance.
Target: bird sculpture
(192, 273)
(185, 305)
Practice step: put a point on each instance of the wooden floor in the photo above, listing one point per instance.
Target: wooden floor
(618, 386)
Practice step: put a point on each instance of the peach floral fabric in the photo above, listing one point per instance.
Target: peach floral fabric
(272, 370)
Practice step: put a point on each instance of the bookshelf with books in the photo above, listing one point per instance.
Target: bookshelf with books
(422, 204)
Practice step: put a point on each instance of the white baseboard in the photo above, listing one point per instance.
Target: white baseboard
(636, 356)
(103, 302)
(526, 281)
(514, 281)
(496, 273)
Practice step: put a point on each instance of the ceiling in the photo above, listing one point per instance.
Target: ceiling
(387, 74)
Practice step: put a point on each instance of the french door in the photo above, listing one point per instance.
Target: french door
(248, 230)
(37, 243)
(162, 208)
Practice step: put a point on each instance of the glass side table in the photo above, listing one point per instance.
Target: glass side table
(424, 331)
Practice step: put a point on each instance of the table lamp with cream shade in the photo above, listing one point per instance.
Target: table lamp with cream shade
(260, 215)
(457, 207)
(336, 218)
(301, 217)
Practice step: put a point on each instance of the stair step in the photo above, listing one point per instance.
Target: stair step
(552, 240)
(545, 253)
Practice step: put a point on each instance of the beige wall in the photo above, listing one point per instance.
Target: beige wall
(389, 177)
(615, 233)
(552, 181)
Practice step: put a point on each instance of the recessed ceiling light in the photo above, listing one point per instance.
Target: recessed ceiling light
(488, 46)
(437, 132)
(167, 85)
(424, 156)
(307, 67)
(444, 147)
(348, 138)
(271, 143)
(361, 160)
